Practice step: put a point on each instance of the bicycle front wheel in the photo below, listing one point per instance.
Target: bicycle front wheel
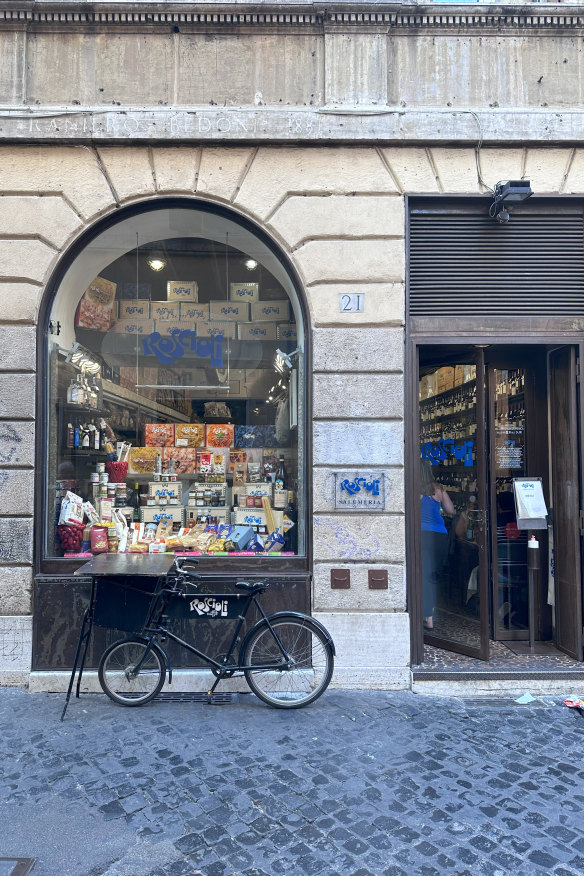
(120, 679)
(299, 675)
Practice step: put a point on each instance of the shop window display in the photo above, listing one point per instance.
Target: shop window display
(175, 403)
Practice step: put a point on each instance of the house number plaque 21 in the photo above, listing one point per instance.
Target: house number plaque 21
(352, 303)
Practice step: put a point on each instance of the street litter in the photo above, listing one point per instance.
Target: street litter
(575, 704)
(525, 698)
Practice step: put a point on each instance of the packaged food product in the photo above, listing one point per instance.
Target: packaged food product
(274, 542)
(270, 311)
(189, 434)
(99, 540)
(205, 540)
(134, 308)
(159, 434)
(184, 458)
(263, 331)
(217, 546)
(189, 538)
(90, 512)
(231, 310)
(219, 435)
(287, 332)
(71, 509)
(138, 547)
(174, 543)
(142, 460)
(239, 474)
(255, 544)
(254, 473)
(164, 529)
(182, 290)
(95, 309)
(149, 533)
(205, 462)
(112, 541)
(162, 310)
(105, 508)
(134, 326)
(220, 462)
(194, 312)
(71, 537)
(270, 466)
(236, 457)
(240, 536)
(212, 328)
(168, 326)
(244, 291)
(255, 436)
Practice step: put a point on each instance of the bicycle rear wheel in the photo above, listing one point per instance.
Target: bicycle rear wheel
(116, 672)
(301, 675)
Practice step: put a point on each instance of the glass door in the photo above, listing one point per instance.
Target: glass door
(508, 461)
(452, 495)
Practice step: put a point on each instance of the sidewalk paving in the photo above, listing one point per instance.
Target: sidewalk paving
(359, 783)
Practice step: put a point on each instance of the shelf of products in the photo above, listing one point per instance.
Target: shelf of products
(161, 459)
(450, 416)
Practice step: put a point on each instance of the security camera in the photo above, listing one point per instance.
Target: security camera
(502, 217)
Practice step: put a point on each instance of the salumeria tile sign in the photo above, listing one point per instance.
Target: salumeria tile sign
(359, 491)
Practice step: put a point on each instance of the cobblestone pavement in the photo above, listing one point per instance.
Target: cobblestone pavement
(356, 784)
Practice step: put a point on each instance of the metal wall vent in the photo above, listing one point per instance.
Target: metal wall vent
(467, 265)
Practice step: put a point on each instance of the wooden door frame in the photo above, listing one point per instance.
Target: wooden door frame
(442, 333)
(578, 351)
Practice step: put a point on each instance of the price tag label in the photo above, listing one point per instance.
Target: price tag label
(352, 303)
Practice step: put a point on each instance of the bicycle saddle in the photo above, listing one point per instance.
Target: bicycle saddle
(252, 587)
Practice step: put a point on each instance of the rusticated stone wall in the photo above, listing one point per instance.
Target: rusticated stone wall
(338, 212)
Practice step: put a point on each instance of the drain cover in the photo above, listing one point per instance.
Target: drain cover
(198, 697)
(16, 866)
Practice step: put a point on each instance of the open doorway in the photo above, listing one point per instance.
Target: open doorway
(487, 414)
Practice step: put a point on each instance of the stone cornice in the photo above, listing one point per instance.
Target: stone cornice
(347, 15)
(355, 125)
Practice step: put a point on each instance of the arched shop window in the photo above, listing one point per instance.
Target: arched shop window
(175, 402)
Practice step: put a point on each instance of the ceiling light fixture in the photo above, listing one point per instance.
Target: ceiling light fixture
(156, 262)
(251, 264)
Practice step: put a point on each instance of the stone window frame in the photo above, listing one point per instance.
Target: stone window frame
(44, 564)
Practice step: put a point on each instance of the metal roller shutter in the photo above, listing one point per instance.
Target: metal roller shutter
(464, 264)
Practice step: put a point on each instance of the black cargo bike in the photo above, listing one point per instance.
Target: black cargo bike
(286, 658)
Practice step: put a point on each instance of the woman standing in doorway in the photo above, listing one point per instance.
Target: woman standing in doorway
(433, 500)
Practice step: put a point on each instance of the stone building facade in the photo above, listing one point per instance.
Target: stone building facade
(317, 125)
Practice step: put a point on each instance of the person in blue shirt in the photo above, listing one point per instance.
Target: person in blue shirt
(433, 501)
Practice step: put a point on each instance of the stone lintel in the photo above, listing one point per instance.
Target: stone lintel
(385, 125)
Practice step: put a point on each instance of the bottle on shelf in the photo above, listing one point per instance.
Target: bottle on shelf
(280, 481)
(76, 436)
(71, 390)
(291, 534)
(136, 503)
(70, 435)
(96, 437)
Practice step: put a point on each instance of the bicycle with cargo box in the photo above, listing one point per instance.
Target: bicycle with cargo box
(286, 658)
